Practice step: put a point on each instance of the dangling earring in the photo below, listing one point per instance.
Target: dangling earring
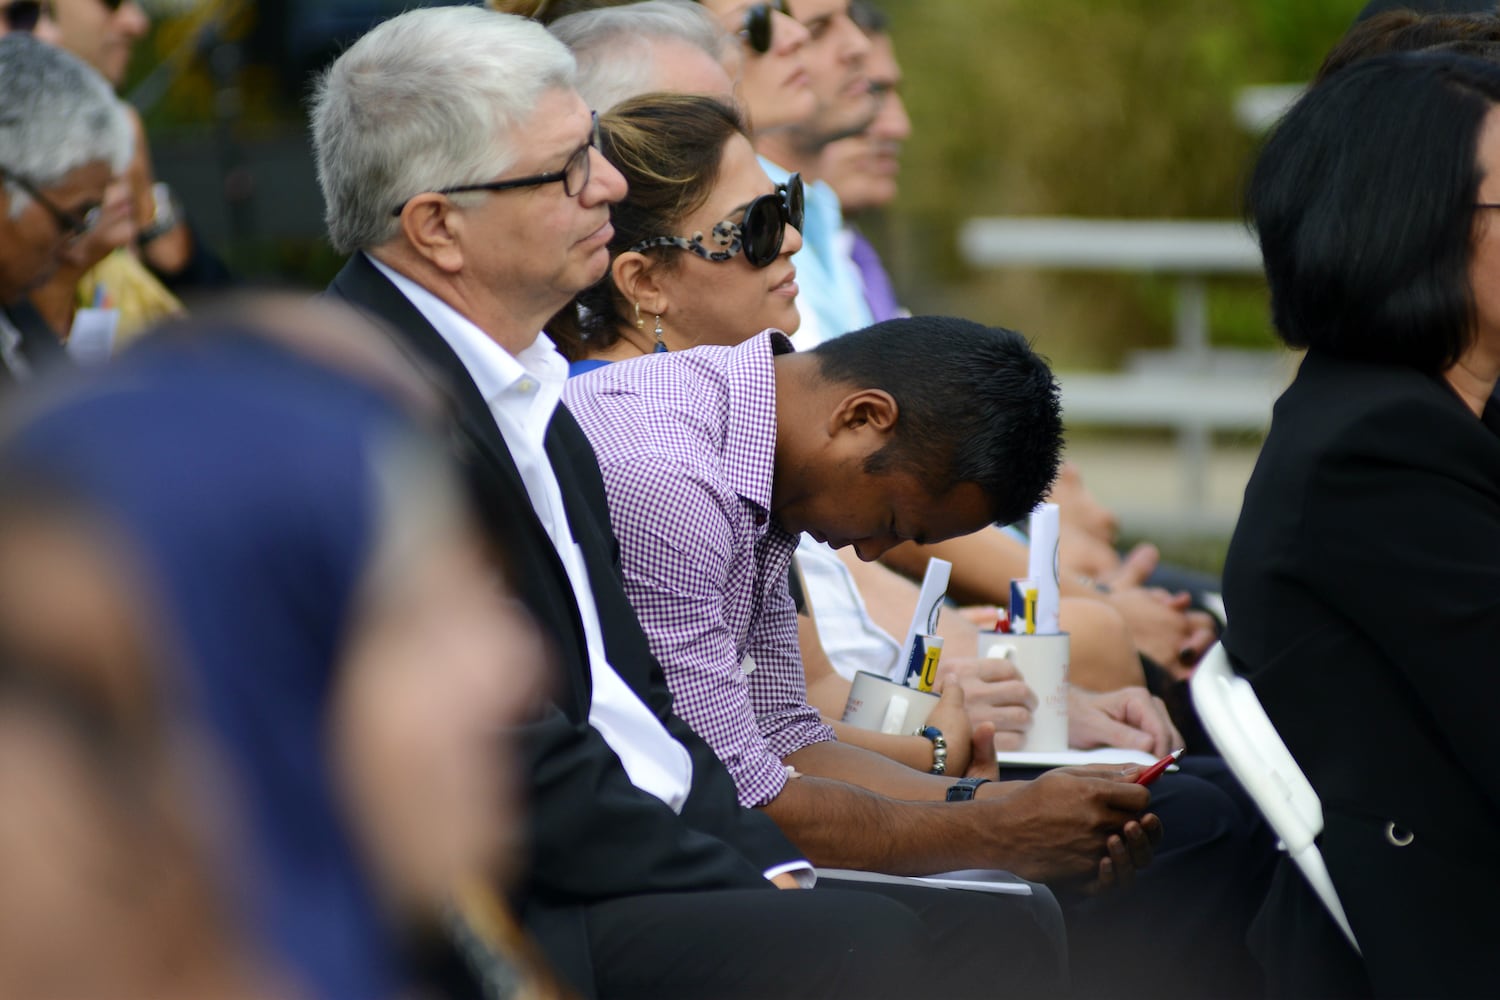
(661, 347)
(640, 324)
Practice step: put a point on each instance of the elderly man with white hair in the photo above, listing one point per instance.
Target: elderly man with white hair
(461, 174)
(62, 136)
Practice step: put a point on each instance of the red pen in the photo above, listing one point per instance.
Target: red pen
(1156, 770)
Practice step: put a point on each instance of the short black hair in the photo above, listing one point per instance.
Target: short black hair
(975, 405)
(1363, 199)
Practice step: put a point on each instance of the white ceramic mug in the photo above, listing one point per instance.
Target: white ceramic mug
(881, 704)
(1042, 661)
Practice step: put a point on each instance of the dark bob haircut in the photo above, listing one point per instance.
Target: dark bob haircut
(1363, 199)
(975, 404)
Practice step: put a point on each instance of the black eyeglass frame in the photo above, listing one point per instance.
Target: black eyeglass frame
(758, 30)
(580, 155)
(736, 237)
(73, 226)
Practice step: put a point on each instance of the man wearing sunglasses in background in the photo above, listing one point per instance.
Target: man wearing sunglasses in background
(61, 133)
(459, 171)
(832, 300)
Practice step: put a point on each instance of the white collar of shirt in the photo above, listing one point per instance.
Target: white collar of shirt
(522, 389)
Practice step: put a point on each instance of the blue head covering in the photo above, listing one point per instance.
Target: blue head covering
(244, 477)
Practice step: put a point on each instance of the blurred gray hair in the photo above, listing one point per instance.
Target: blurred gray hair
(56, 115)
(427, 100)
(608, 45)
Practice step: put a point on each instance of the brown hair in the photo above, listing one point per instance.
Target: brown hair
(669, 147)
(1407, 31)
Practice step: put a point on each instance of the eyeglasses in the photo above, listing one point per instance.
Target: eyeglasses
(756, 29)
(73, 226)
(759, 233)
(23, 15)
(574, 174)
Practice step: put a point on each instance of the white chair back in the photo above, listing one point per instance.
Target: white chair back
(1233, 717)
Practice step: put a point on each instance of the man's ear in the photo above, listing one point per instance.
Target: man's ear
(637, 278)
(432, 228)
(864, 412)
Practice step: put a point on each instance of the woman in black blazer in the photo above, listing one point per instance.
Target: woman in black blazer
(1363, 581)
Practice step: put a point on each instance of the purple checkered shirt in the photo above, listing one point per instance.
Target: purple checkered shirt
(687, 445)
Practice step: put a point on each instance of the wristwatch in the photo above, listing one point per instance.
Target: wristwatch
(963, 789)
(939, 747)
(165, 217)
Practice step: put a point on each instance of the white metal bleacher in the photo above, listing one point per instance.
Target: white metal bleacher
(1192, 388)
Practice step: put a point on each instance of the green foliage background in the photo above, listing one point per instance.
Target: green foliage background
(1111, 108)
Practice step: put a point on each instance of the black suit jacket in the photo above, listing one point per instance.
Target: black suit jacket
(595, 836)
(1363, 590)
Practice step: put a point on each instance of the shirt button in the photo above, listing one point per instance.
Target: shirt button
(760, 519)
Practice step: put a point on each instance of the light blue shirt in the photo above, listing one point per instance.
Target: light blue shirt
(830, 295)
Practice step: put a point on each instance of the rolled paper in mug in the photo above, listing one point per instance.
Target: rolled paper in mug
(922, 662)
(880, 704)
(1042, 661)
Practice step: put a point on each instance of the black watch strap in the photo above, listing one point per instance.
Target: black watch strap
(963, 789)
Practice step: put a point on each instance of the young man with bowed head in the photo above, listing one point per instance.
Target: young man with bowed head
(716, 460)
(460, 173)
(60, 135)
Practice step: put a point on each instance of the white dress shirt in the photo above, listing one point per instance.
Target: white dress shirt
(522, 392)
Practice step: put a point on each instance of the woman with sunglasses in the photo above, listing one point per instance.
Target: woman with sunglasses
(702, 247)
(773, 85)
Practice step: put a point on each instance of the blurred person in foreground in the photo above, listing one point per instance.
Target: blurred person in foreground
(1362, 584)
(331, 627)
(59, 136)
(646, 877)
(105, 847)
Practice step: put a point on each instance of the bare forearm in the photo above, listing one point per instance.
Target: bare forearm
(914, 752)
(871, 771)
(838, 825)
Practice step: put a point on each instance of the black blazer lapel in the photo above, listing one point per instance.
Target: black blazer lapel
(537, 573)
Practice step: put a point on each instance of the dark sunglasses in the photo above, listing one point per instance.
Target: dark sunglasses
(72, 226)
(23, 14)
(756, 30)
(759, 234)
(574, 174)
